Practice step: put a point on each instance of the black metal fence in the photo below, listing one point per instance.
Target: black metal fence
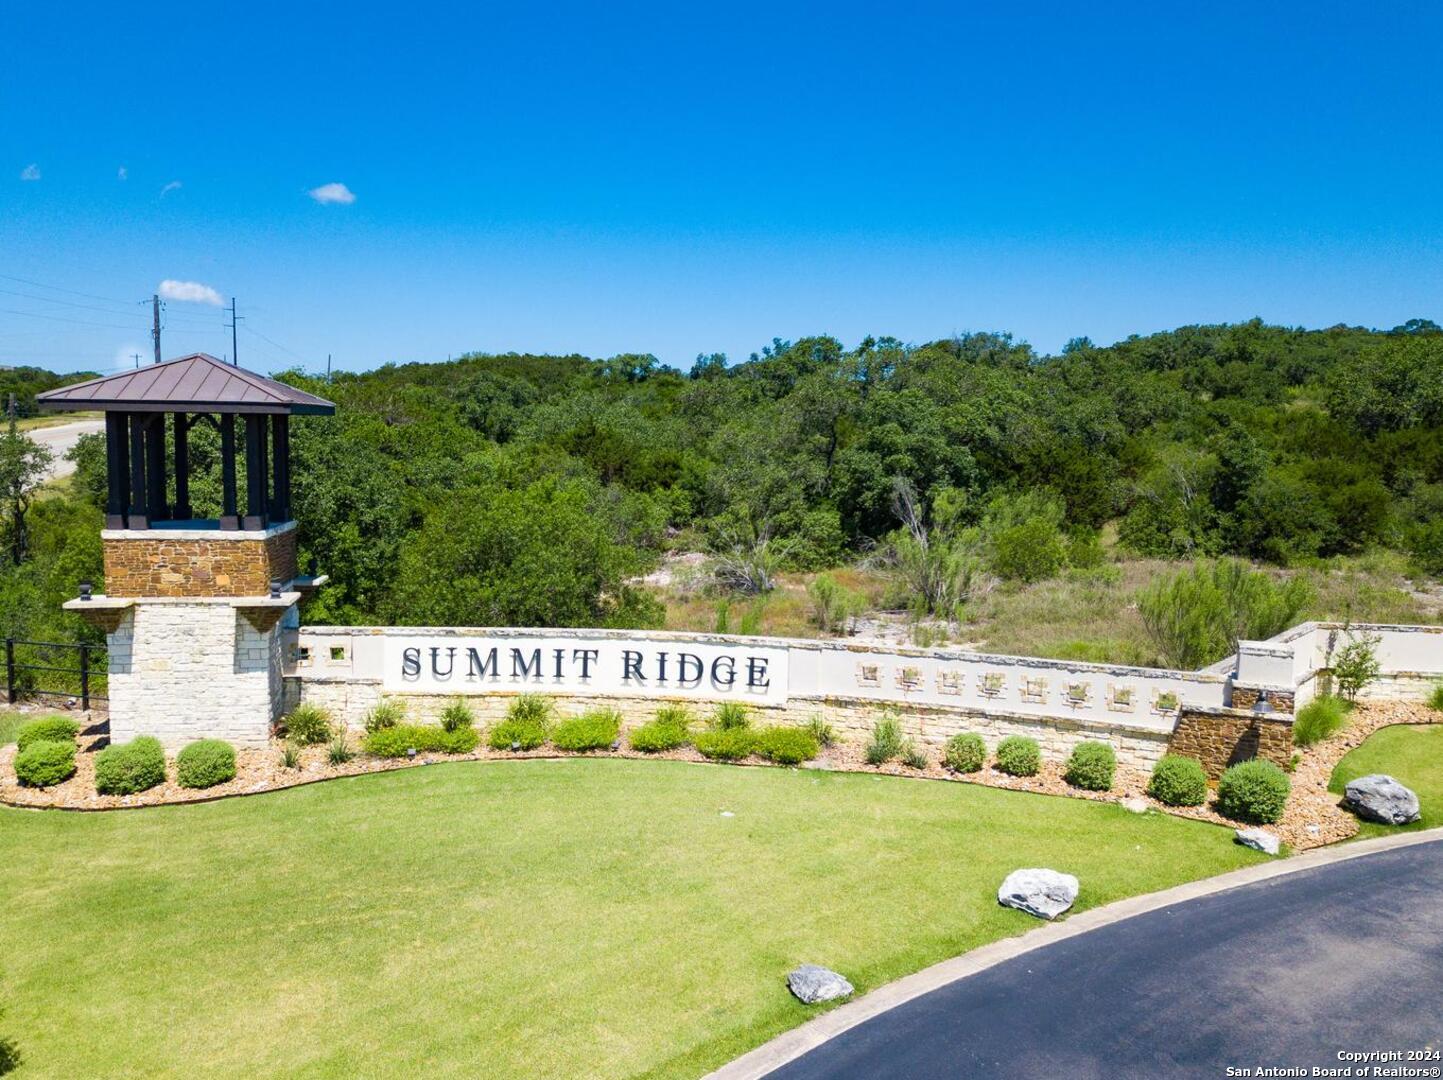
(56, 669)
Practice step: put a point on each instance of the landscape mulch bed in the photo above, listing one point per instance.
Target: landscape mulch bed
(1313, 816)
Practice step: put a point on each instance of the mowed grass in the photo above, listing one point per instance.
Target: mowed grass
(540, 918)
(1410, 753)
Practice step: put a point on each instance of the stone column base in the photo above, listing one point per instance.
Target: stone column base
(1221, 737)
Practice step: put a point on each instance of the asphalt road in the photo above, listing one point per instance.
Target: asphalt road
(1287, 972)
(60, 438)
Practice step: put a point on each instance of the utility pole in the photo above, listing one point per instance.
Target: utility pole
(328, 369)
(155, 324)
(234, 356)
(136, 357)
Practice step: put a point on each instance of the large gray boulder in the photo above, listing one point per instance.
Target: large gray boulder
(1258, 840)
(1044, 893)
(813, 984)
(1381, 798)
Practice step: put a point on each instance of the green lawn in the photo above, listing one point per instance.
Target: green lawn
(9, 724)
(1412, 754)
(539, 918)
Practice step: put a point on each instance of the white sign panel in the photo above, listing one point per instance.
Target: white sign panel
(444, 664)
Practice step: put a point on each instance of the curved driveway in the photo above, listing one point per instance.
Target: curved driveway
(1285, 972)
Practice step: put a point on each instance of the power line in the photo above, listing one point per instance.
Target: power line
(72, 292)
(61, 318)
(277, 344)
(55, 300)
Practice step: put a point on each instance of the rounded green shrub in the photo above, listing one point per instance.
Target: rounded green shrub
(127, 768)
(725, 744)
(386, 714)
(46, 729)
(1091, 765)
(1017, 755)
(1319, 718)
(457, 715)
(730, 715)
(786, 745)
(965, 752)
(45, 762)
(656, 736)
(595, 729)
(1178, 781)
(527, 724)
(308, 724)
(205, 764)
(1255, 791)
(397, 741)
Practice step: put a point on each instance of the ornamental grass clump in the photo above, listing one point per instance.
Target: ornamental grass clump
(308, 724)
(338, 748)
(886, 742)
(729, 716)
(595, 729)
(786, 745)
(457, 715)
(1017, 755)
(725, 744)
(1255, 791)
(822, 731)
(1178, 781)
(399, 741)
(965, 753)
(1435, 699)
(45, 762)
(205, 764)
(59, 729)
(527, 724)
(386, 714)
(1091, 766)
(1318, 719)
(127, 768)
(914, 755)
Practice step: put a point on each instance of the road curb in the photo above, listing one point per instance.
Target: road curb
(793, 1044)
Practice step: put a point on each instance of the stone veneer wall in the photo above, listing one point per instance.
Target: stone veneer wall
(1220, 737)
(852, 718)
(200, 563)
(186, 671)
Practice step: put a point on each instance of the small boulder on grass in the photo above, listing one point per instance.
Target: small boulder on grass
(813, 984)
(1382, 799)
(1258, 840)
(1044, 893)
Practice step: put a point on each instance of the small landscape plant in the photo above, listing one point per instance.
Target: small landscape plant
(822, 731)
(886, 742)
(338, 748)
(398, 741)
(46, 729)
(965, 753)
(1318, 719)
(1017, 755)
(127, 768)
(595, 729)
(1356, 664)
(387, 713)
(667, 731)
(205, 764)
(290, 756)
(725, 744)
(914, 755)
(730, 715)
(1255, 791)
(1178, 781)
(308, 724)
(786, 745)
(457, 715)
(45, 762)
(1091, 765)
(527, 724)
(1435, 698)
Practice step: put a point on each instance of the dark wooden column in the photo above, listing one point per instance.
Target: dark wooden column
(139, 516)
(280, 467)
(229, 517)
(182, 466)
(117, 470)
(256, 509)
(155, 466)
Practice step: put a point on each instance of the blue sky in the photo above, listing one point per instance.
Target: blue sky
(677, 180)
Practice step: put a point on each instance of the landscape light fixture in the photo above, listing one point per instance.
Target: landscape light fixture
(275, 590)
(411, 753)
(85, 590)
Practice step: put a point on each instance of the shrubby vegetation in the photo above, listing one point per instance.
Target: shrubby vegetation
(1254, 790)
(785, 745)
(527, 724)
(1318, 719)
(400, 739)
(1019, 755)
(725, 744)
(205, 764)
(46, 729)
(1091, 766)
(965, 753)
(45, 762)
(309, 724)
(1178, 781)
(887, 742)
(128, 768)
(595, 729)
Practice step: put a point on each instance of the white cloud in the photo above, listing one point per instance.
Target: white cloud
(32, 172)
(191, 291)
(327, 194)
(174, 185)
(122, 173)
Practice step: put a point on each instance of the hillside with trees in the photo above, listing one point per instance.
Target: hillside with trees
(941, 477)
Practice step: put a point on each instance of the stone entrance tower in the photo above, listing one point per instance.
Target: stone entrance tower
(195, 609)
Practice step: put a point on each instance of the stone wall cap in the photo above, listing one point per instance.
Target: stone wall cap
(198, 534)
